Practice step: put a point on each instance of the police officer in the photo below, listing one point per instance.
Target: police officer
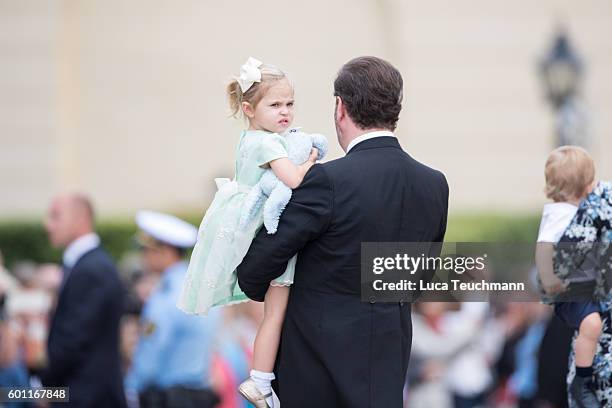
(171, 363)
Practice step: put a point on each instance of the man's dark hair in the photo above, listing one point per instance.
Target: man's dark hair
(371, 90)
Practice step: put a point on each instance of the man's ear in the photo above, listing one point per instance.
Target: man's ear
(340, 109)
(247, 109)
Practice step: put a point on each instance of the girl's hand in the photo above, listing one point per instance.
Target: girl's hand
(304, 167)
(289, 173)
(314, 153)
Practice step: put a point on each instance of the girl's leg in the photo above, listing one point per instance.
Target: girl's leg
(268, 335)
(266, 344)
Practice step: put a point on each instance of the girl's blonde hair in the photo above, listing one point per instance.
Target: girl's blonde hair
(569, 171)
(269, 75)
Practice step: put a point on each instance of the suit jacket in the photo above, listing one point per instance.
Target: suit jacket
(337, 351)
(83, 345)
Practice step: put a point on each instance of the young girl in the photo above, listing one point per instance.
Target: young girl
(264, 95)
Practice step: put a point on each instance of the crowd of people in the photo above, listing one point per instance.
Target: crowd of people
(516, 354)
(115, 336)
(487, 355)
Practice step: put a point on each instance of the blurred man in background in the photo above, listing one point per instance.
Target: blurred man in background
(8, 283)
(83, 344)
(171, 364)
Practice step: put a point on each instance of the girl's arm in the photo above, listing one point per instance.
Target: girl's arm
(289, 173)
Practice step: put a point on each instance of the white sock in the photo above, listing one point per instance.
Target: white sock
(263, 382)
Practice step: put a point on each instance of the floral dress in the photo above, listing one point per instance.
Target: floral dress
(211, 277)
(593, 223)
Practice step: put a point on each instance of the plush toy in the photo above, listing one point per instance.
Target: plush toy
(272, 193)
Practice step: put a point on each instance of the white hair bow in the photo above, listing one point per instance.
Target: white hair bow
(249, 74)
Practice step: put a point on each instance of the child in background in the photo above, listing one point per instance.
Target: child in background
(569, 173)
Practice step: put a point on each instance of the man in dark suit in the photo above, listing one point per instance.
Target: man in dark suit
(337, 351)
(83, 345)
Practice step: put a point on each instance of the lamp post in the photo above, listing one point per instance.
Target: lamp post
(562, 73)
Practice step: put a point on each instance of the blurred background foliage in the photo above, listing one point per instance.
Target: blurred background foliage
(27, 239)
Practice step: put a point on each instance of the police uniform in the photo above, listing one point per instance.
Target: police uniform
(171, 362)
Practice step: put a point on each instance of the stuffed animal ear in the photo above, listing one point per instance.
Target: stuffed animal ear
(320, 142)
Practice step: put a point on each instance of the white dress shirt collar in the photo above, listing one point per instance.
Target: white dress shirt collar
(366, 136)
(80, 247)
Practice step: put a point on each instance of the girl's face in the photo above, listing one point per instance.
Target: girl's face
(274, 112)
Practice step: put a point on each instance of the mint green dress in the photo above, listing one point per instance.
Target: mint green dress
(221, 245)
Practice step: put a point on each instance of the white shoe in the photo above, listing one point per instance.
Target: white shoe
(276, 400)
(251, 393)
